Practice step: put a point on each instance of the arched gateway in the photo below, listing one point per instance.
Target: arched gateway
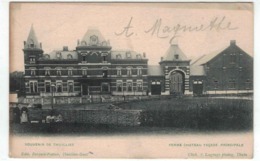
(176, 81)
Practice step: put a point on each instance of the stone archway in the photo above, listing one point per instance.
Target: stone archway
(177, 82)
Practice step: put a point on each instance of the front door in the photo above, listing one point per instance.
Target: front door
(176, 83)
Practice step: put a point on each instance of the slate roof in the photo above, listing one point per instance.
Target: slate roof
(172, 51)
(123, 54)
(196, 67)
(155, 70)
(93, 32)
(64, 54)
(32, 39)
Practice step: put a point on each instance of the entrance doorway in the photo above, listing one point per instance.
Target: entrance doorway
(176, 82)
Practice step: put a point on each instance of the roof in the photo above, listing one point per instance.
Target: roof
(63, 55)
(32, 39)
(172, 51)
(123, 54)
(155, 70)
(197, 65)
(93, 37)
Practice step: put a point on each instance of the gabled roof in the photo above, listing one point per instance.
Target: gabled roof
(32, 39)
(172, 51)
(155, 70)
(93, 37)
(197, 65)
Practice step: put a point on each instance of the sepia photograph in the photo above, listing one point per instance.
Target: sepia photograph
(131, 80)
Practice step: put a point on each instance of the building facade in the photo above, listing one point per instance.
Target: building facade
(93, 68)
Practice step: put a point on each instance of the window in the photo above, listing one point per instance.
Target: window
(70, 72)
(104, 59)
(119, 86)
(104, 75)
(105, 87)
(138, 56)
(47, 56)
(32, 59)
(248, 84)
(58, 55)
(84, 58)
(31, 44)
(128, 55)
(118, 56)
(232, 58)
(139, 85)
(129, 71)
(59, 71)
(176, 56)
(139, 71)
(129, 86)
(70, 86)
(84, 71)
(59, 86)
(47, 87)
(232, 84)
(83, 43)
(118, 71)
(69, 56)
(47, 72)
(215, 82)
(33, 72)
(33, 86)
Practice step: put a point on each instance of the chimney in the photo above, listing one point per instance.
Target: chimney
(232, 42)
(144, 54)
(78, 42)
(161, 58)
(24, 43)
(65, 48)
(40, 45)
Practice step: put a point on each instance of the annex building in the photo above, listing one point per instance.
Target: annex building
(94, 68)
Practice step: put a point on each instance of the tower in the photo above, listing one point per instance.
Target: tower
(176, 67)
(32, 48)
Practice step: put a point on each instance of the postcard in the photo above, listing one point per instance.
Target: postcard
(131, 80)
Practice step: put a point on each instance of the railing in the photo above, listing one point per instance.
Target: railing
(59, 94)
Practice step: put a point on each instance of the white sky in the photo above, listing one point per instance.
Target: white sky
(62, 24)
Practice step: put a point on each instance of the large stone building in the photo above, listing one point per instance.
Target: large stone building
(93, 68)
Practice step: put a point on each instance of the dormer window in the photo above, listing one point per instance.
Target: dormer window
(69, 56)
(138, 56)
(118, 56)
(83, 43)
(176, 56)
(58, 55)
(47, 56)
(128, 55)
(94, 40)
(31, 44)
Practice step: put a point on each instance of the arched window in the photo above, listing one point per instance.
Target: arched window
(83, 43)
(138, 56)
(118, 71)
(69, 56)
(47, 56)
(31, 44)
(118, 56)
(58, 55)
